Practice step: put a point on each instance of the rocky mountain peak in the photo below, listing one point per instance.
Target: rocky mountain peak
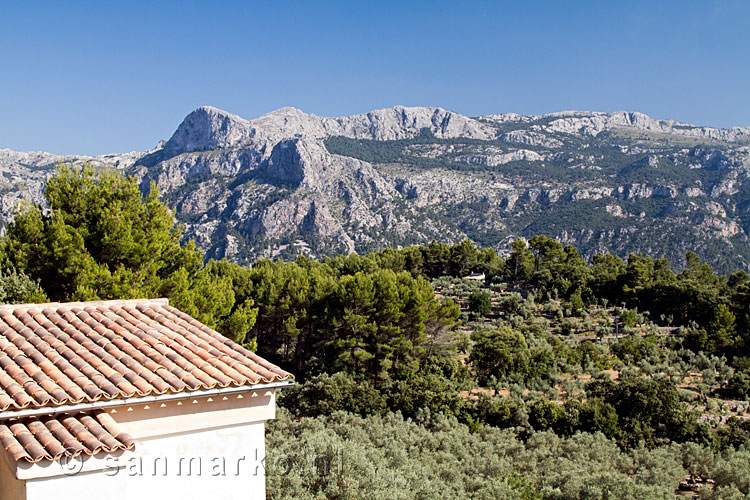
(290, 122)
(206, 129)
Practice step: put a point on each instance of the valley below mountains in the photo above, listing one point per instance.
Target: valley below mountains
(290, 183)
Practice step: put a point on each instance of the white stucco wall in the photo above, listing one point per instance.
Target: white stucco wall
(224, 464)
(201, 448)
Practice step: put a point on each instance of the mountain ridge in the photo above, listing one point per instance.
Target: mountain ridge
(290, 183)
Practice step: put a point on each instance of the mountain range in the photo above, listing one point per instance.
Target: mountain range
(291, 183)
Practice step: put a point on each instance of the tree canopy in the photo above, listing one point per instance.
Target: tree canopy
(99, 238)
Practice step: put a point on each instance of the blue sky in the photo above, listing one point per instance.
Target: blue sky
(98, 77)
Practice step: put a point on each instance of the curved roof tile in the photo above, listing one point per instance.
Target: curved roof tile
(33, 440)
(68, 353)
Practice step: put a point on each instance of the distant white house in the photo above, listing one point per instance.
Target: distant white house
(475, 276)
(129, 400)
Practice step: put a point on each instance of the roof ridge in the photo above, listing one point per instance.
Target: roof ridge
(119, 302)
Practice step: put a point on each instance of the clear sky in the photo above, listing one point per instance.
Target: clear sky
(97, 77)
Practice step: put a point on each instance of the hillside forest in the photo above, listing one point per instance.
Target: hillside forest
(437, 371)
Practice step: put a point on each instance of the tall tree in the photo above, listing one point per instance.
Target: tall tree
(100, 239)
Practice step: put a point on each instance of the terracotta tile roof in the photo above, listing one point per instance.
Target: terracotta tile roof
(51, 438)
(60, 354)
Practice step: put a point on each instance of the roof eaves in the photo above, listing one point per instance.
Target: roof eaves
(97, 405)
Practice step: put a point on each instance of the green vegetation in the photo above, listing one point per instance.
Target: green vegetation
(555, 377)
(17, 288)
(406, 152)
(100, 239)
(479, 303)
(343, 456)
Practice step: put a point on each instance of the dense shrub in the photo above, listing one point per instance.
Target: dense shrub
(634, 348)
(649, 411)
(18, 288)
(738, 385)
(479, 303)
(430, 391)
(325, 394)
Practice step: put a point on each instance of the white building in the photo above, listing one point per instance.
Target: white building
(475, 277)
(129, 400)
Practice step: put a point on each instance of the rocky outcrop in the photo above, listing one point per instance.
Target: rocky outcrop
(399, 122)
(595, 123)
(531, 138)
(208, 128)
(495, 158)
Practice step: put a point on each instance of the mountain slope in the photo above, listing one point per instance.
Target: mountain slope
(291, 183)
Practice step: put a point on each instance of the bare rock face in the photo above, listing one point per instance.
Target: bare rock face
(638, 190)
(402, 122)
(507, 118)
(272, 187)
(384, 124)
(289, 164)
(208, 128)
(595, 123)
(530, 138)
